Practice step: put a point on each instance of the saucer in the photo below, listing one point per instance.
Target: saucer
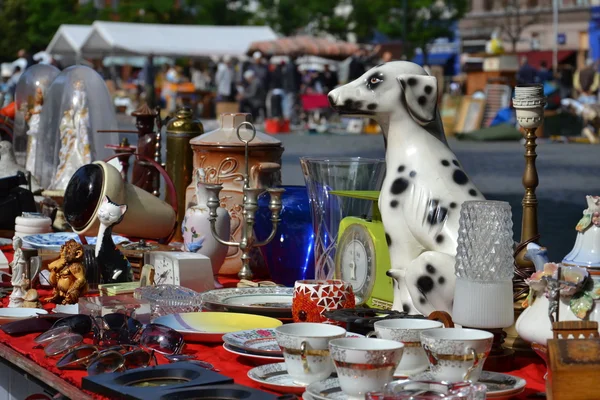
(253, 357)
(499, 386)
(275, 377)
(260, 341)
(328, 389)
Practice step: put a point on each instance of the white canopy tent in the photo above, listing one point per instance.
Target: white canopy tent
(123, 39)
(68, 39)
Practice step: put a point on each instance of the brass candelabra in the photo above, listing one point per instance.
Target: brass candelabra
(250, 206)
(529, 102)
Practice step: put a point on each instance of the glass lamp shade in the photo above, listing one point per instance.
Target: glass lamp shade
(483, 297)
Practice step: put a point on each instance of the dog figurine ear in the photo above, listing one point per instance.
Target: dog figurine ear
(420, 96)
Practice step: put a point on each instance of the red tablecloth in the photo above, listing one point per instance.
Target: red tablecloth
(232, 366)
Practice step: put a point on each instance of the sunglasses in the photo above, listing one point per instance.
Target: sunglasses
(114, 359)
(109, 330)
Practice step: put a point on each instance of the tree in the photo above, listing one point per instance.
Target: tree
(291, 17)
(418, 21)
(12, 38)
(514, 20)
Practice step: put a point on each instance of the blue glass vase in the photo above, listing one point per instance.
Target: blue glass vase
(290, 255)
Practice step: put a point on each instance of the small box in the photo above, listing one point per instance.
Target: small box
(574, 369)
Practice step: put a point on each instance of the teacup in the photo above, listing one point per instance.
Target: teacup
(305, 349)
(406, 331)
(364, 365)
(456, 354)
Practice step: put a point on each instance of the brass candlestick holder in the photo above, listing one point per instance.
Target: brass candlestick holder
(529, 102)
(250, 206)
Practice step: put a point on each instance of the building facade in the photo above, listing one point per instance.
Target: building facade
(529, 25)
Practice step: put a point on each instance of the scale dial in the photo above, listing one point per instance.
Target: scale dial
(164, 268)
(356, 260)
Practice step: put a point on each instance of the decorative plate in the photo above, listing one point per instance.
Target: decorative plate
(326, 390)
(211, 326)
(254, 358)
(15, 314)
(275, 377)
(270, 301)
(55, 240)
(260, 341)
(5, 242)
(499, 386)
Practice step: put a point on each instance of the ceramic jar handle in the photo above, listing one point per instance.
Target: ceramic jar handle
(303, 352)
(474, 366)
(262, 168)
(442, 317)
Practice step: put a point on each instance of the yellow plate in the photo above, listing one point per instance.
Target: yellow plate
(211, 326)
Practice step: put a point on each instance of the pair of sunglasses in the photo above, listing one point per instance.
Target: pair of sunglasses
(109, 330)
(58, 340)
(114, 359)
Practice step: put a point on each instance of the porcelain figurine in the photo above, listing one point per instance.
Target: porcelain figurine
(425, 184)
(19, 280)
(197, 236)
(572, 296)
(67, 275)
(586, 251)
(75, 150)
(33, 120)
(114, 266)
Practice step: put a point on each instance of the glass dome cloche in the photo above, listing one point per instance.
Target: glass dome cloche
(29, 98)
(77, 104)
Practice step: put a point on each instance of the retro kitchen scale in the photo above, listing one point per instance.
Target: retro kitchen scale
(362, 256)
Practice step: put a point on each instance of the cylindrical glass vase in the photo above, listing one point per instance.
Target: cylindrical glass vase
(484, 266)
(324, 175)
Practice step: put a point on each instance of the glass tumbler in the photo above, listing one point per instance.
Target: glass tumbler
(324, 175)
(429, 390)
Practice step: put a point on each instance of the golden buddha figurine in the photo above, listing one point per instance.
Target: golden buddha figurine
(67, 275)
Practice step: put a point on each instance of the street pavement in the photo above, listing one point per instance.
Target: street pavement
(567, 173)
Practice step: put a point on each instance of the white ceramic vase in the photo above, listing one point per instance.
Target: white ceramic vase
(197, 235)
(534, 323)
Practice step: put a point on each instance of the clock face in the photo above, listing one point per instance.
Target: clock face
(164, 268)
(355, 260)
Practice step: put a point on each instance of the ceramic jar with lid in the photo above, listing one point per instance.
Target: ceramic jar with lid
(221, 154)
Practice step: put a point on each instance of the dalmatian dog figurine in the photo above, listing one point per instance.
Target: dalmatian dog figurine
(424, 185)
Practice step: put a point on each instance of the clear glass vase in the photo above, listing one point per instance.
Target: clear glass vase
(484, 265)
(324, 175)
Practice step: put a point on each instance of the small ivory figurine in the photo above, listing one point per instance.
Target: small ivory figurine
(67, 275)
(114, 266)
(33, 120)
(19, 281)
(31, 299)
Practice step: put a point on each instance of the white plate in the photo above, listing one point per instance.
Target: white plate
(499, 386)
(274, 301)
(15, 314)
(254, 358)
(57, 239)
(329, 389)
(260, 341)
(275, 377)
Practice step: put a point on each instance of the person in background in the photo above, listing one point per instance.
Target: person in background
(526, 73)
(224, 80)
(329, 79)
(544, 74)
(386, 57)
(200, 78)
(149, 76)
(275, 94)
(586, 81)
(292, 81)
(357, 66)
(253, 97)
(565, 81)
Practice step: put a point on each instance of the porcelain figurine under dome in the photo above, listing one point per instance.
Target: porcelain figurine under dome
(29, 99)
(76, 107)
